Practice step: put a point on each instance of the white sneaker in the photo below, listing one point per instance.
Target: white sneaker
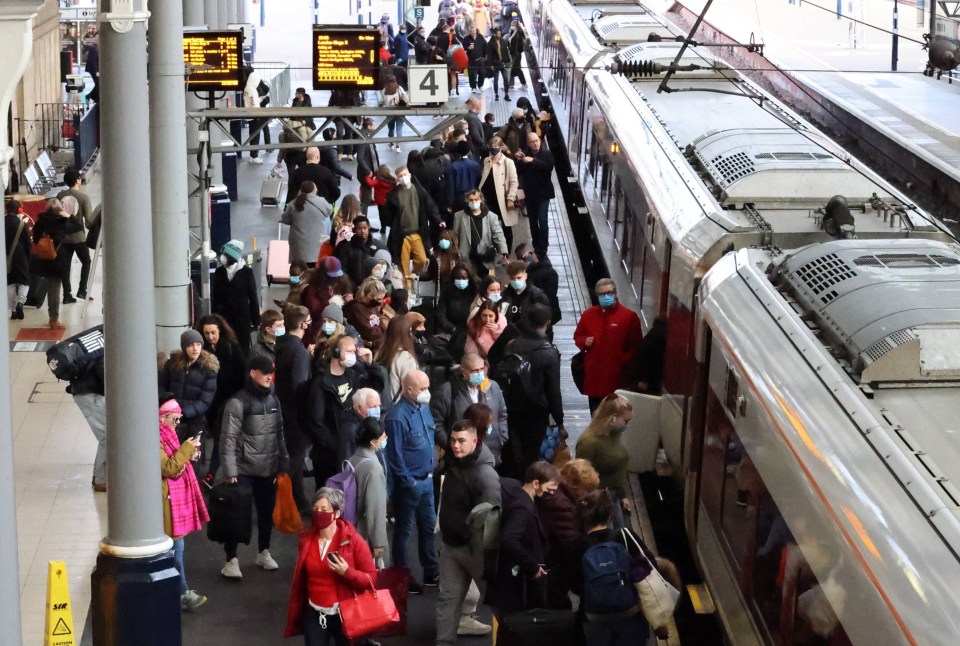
(232, 569)
(256, 160)
(470, 626)
(191, 599)
(266, 561)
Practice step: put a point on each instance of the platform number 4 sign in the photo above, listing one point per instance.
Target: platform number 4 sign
(428, 84)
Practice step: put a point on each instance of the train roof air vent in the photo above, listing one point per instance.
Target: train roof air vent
(871, 299)
(629, 28)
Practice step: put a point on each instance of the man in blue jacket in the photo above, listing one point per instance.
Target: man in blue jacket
(410, 434)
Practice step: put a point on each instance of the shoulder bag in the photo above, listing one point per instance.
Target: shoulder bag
(45, 249)
(13, 247)
(658, 598)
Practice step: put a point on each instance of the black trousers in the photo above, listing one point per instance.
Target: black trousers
(254, 124)
(517, 72)
(298, 445)
(83, 253)
(475, 75)
(264, 498)
(314, 635)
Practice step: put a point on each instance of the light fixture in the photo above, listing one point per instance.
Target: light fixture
(615, 148)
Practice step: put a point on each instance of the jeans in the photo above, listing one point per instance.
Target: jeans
(17, 294)
(498, 73)
(314, 635)
(458, 595)
(264, 498)
(539, 229)
(395, 124)
(94, 409)
(178, 560)
(409, 504)
(83, 254)
(254, 124)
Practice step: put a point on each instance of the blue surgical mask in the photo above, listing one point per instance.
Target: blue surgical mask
(329, 328)
(383, 447)
(518, 285)
(461, 283)
(294, 280)
(474, 206)
(444, 244)
(490, 430)
(495, 297)
(476, 378)
(374, 412)
(607, 300)
(279, 332)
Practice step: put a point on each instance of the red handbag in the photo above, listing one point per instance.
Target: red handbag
(368, 612)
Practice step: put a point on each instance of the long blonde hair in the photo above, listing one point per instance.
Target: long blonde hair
(611, 406)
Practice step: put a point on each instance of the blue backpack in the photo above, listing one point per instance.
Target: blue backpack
(607, 586)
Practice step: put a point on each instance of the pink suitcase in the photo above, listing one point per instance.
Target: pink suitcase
(278, 260)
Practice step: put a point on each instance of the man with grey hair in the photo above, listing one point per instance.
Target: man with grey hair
(477, 142)
(608, 334)
(514, 132)
(320, 175)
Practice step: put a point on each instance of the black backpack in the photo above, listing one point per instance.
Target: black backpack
(263, 91)
(514, 374)
(69, 358)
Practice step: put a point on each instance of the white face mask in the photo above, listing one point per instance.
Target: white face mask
(349, 360)
(424, 397)
(405, 180)
(379, 271)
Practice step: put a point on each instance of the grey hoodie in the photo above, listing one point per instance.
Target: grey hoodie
(466, 484)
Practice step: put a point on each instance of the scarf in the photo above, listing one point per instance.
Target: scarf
(187, 509)
(233, 269)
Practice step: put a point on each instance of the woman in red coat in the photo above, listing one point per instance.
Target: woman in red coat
(332, 561)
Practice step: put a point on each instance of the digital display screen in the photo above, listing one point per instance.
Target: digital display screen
(214, 60)
(345, 57)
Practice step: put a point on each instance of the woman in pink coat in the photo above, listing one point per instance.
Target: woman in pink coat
(484, 329)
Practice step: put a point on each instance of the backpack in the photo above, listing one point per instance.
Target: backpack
(607, 585)
(263, 91)
(346, 481)
(69, 358)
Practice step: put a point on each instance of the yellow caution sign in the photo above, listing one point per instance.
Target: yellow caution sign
(58, 628)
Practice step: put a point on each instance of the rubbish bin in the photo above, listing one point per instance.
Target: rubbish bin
(219, 216)
(229, 165)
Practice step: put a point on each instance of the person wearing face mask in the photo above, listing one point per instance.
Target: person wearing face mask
(368, 461)
(490, 290)
(387, 273)
(233, 293)
(446, 255)
(609, 334)
(480, 232)
(410, 458)
(602, 444)
(540, 273)
(271, 328)
(499, 185)
(328, 412)
(464, 176)
(520, 294)
(190, 375)
(332, 325)
(535, 167)
(469, 480)
(514, 132)
(410, 213)
(253, 452)
(467, 386)
(521, 568)
(401, 46)
(453, 307)
(333, 564)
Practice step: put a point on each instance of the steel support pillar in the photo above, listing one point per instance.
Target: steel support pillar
(135, 586)
(211, 13)
(16, 43)
(193, 16)
(168, 144)
(223, 13)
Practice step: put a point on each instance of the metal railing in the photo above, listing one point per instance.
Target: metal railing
(277, 76)
(57, 127)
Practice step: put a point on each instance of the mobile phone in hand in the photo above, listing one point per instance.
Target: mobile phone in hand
(331, 555)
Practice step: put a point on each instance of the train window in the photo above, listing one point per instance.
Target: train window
(738, 512)
(773, 540)
(652, 284)
(613, 199)
(714, 469)
(605, 175)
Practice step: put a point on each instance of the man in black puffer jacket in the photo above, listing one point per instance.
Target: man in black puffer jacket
(191, 377)
(252, 453)
(469, 480)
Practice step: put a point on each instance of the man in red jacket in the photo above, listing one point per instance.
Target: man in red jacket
(608, 334)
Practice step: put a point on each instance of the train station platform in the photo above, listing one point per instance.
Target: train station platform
(59, 517)
(838, 72)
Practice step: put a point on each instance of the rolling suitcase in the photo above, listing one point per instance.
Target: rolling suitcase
(231, 514)
(557, 627)
(270, 191)
(278, 259)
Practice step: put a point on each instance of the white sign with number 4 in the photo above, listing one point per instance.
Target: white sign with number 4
(428, 84)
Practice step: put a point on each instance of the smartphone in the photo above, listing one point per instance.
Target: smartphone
(200, 433)
(331, 555)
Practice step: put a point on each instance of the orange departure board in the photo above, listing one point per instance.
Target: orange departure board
(345, 57)
(214, 60)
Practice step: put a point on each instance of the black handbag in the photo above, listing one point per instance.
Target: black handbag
(577, 369)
